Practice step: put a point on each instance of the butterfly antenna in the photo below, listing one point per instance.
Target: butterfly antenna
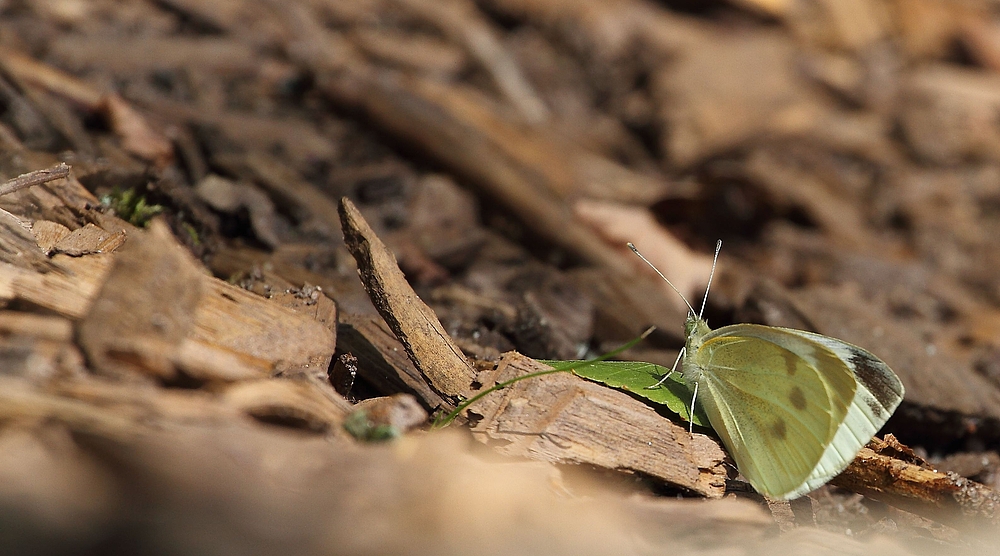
(669, 283)
(715, 261)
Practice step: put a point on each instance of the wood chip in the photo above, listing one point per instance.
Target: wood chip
(145, 308)
(566, 419)
(427, 344)
(879, 473)
(87, 240)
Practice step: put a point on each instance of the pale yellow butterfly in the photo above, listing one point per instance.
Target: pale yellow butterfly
(793, 408)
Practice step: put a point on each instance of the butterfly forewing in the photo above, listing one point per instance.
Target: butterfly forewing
(773, 407)
(878, 393)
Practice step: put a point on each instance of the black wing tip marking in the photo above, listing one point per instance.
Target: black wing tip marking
(878, 378)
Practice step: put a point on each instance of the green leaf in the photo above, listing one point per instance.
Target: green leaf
(637, 378)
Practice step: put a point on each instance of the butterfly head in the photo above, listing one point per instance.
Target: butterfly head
(695, 326)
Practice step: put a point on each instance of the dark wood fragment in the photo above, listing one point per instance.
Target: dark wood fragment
(343, 372)
(37, 177)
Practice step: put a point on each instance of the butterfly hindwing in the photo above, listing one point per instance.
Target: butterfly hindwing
(778, 401)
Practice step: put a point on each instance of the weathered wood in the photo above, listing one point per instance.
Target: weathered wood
(243, 322)
(88, 239)
(37, 177)
(145, 307)
(566, 419)
(889, 472)
(414, 323)
(294, 402)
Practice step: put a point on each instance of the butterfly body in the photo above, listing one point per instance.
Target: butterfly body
(793, 408)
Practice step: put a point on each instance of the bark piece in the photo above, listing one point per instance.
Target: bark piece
(427, 344)
(243, 322)
(18, 246)
(132, 55)
(287, 185)
(46, 478)
(36, 326)
(626, 306)
(728, 89)
(37, 177)
(137, 135)
(47, 233)
(889, 472)
(227, 196)
(947, 114)
(145, 308)
(295, 403)
(87, 240)
(67, 292)
(620, 224)
(288, 263)
(566, 419)
(342, 374)
(422, 496)
(420, 52)
(208, 363)
(782, 176)
(464, 23)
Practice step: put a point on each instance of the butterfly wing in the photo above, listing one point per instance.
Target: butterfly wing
(777, 399)
(878, 393)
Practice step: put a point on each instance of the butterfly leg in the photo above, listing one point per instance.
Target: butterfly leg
(694, 397)
(672, 369)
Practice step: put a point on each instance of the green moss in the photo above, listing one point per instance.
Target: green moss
(358, 425)
(131, 206)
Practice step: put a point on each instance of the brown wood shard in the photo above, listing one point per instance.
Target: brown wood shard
(414, 323)
(891, 473)
(566, 419)
(145, 308)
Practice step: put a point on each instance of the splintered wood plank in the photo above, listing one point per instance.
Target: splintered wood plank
(246, 323)
(66, 291)
(566, 419)
(430, 348)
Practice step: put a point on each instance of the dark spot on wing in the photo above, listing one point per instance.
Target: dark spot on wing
(791, 362)
(797, 398)
(875, 375)
(778, 429)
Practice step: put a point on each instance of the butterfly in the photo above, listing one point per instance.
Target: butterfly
(793, 408)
